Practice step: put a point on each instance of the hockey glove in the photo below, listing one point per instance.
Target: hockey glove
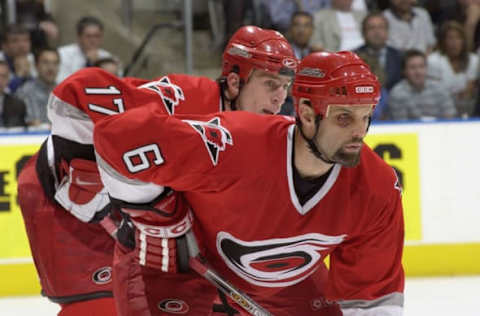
(81, 190)
(159, 227)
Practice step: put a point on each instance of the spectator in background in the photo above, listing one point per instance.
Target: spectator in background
(35, 92)
(466, 12)
(17, 53)
(43, 29)
(12, 109)
(110, 64)
(438, 10)
(410, 27)
(384, 61)
(374, 5)
(360, 5)
(235, 15)
(300, 32)
(279, 12)
(416, 96)
(86, 51)
(337, 28)
(455, 67)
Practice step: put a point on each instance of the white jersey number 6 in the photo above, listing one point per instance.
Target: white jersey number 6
(131, 158)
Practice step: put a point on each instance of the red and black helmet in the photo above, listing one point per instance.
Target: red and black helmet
(327, 78)
(253, 47)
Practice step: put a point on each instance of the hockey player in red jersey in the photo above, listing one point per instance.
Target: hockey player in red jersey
(64, 204)
(271, 197)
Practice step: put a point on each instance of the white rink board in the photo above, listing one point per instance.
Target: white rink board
(449, 170)
(22, 138)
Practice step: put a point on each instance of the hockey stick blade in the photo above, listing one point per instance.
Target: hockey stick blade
(198, 264)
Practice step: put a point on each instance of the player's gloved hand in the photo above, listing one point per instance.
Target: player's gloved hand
(81, 191)
(159, 227)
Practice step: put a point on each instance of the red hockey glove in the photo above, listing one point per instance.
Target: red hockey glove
(81, 190)
(159, 226)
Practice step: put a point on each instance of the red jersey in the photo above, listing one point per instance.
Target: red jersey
(83, 98)
(92, 93)
(236, 171)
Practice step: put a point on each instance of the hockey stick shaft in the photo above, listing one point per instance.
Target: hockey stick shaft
(198, 264)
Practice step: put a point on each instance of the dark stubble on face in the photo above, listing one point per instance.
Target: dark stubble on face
(340, 157)
(348, 159)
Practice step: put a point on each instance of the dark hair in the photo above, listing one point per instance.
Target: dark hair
(14, 29)
(301, 13)
(442, 41)
(40, 52)
(373, 14)
(411, 53)
(87, 21)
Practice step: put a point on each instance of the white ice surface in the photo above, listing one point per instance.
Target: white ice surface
(447, 296)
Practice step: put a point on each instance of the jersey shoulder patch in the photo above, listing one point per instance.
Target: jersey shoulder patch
(214, 135)
(170, 93)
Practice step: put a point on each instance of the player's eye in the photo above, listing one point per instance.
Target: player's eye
(344, 119)
(272, 85)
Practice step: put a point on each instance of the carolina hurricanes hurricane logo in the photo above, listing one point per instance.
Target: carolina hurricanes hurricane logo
(102, 275)
(289, 63)
(170, 93)
(275, 262)
(215, 136)
(173, 306)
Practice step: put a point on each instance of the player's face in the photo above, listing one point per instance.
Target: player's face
(341, 133)
(264, 92)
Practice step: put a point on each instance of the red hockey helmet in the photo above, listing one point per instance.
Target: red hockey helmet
(327, 78)
(253, 47)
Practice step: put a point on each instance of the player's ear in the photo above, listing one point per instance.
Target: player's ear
(307, 116)
(233, 85)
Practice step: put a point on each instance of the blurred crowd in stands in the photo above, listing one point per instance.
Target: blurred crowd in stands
(424, 52)
(32, 63)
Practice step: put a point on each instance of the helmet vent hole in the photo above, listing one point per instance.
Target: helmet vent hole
(338, 91)
(274, 59)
